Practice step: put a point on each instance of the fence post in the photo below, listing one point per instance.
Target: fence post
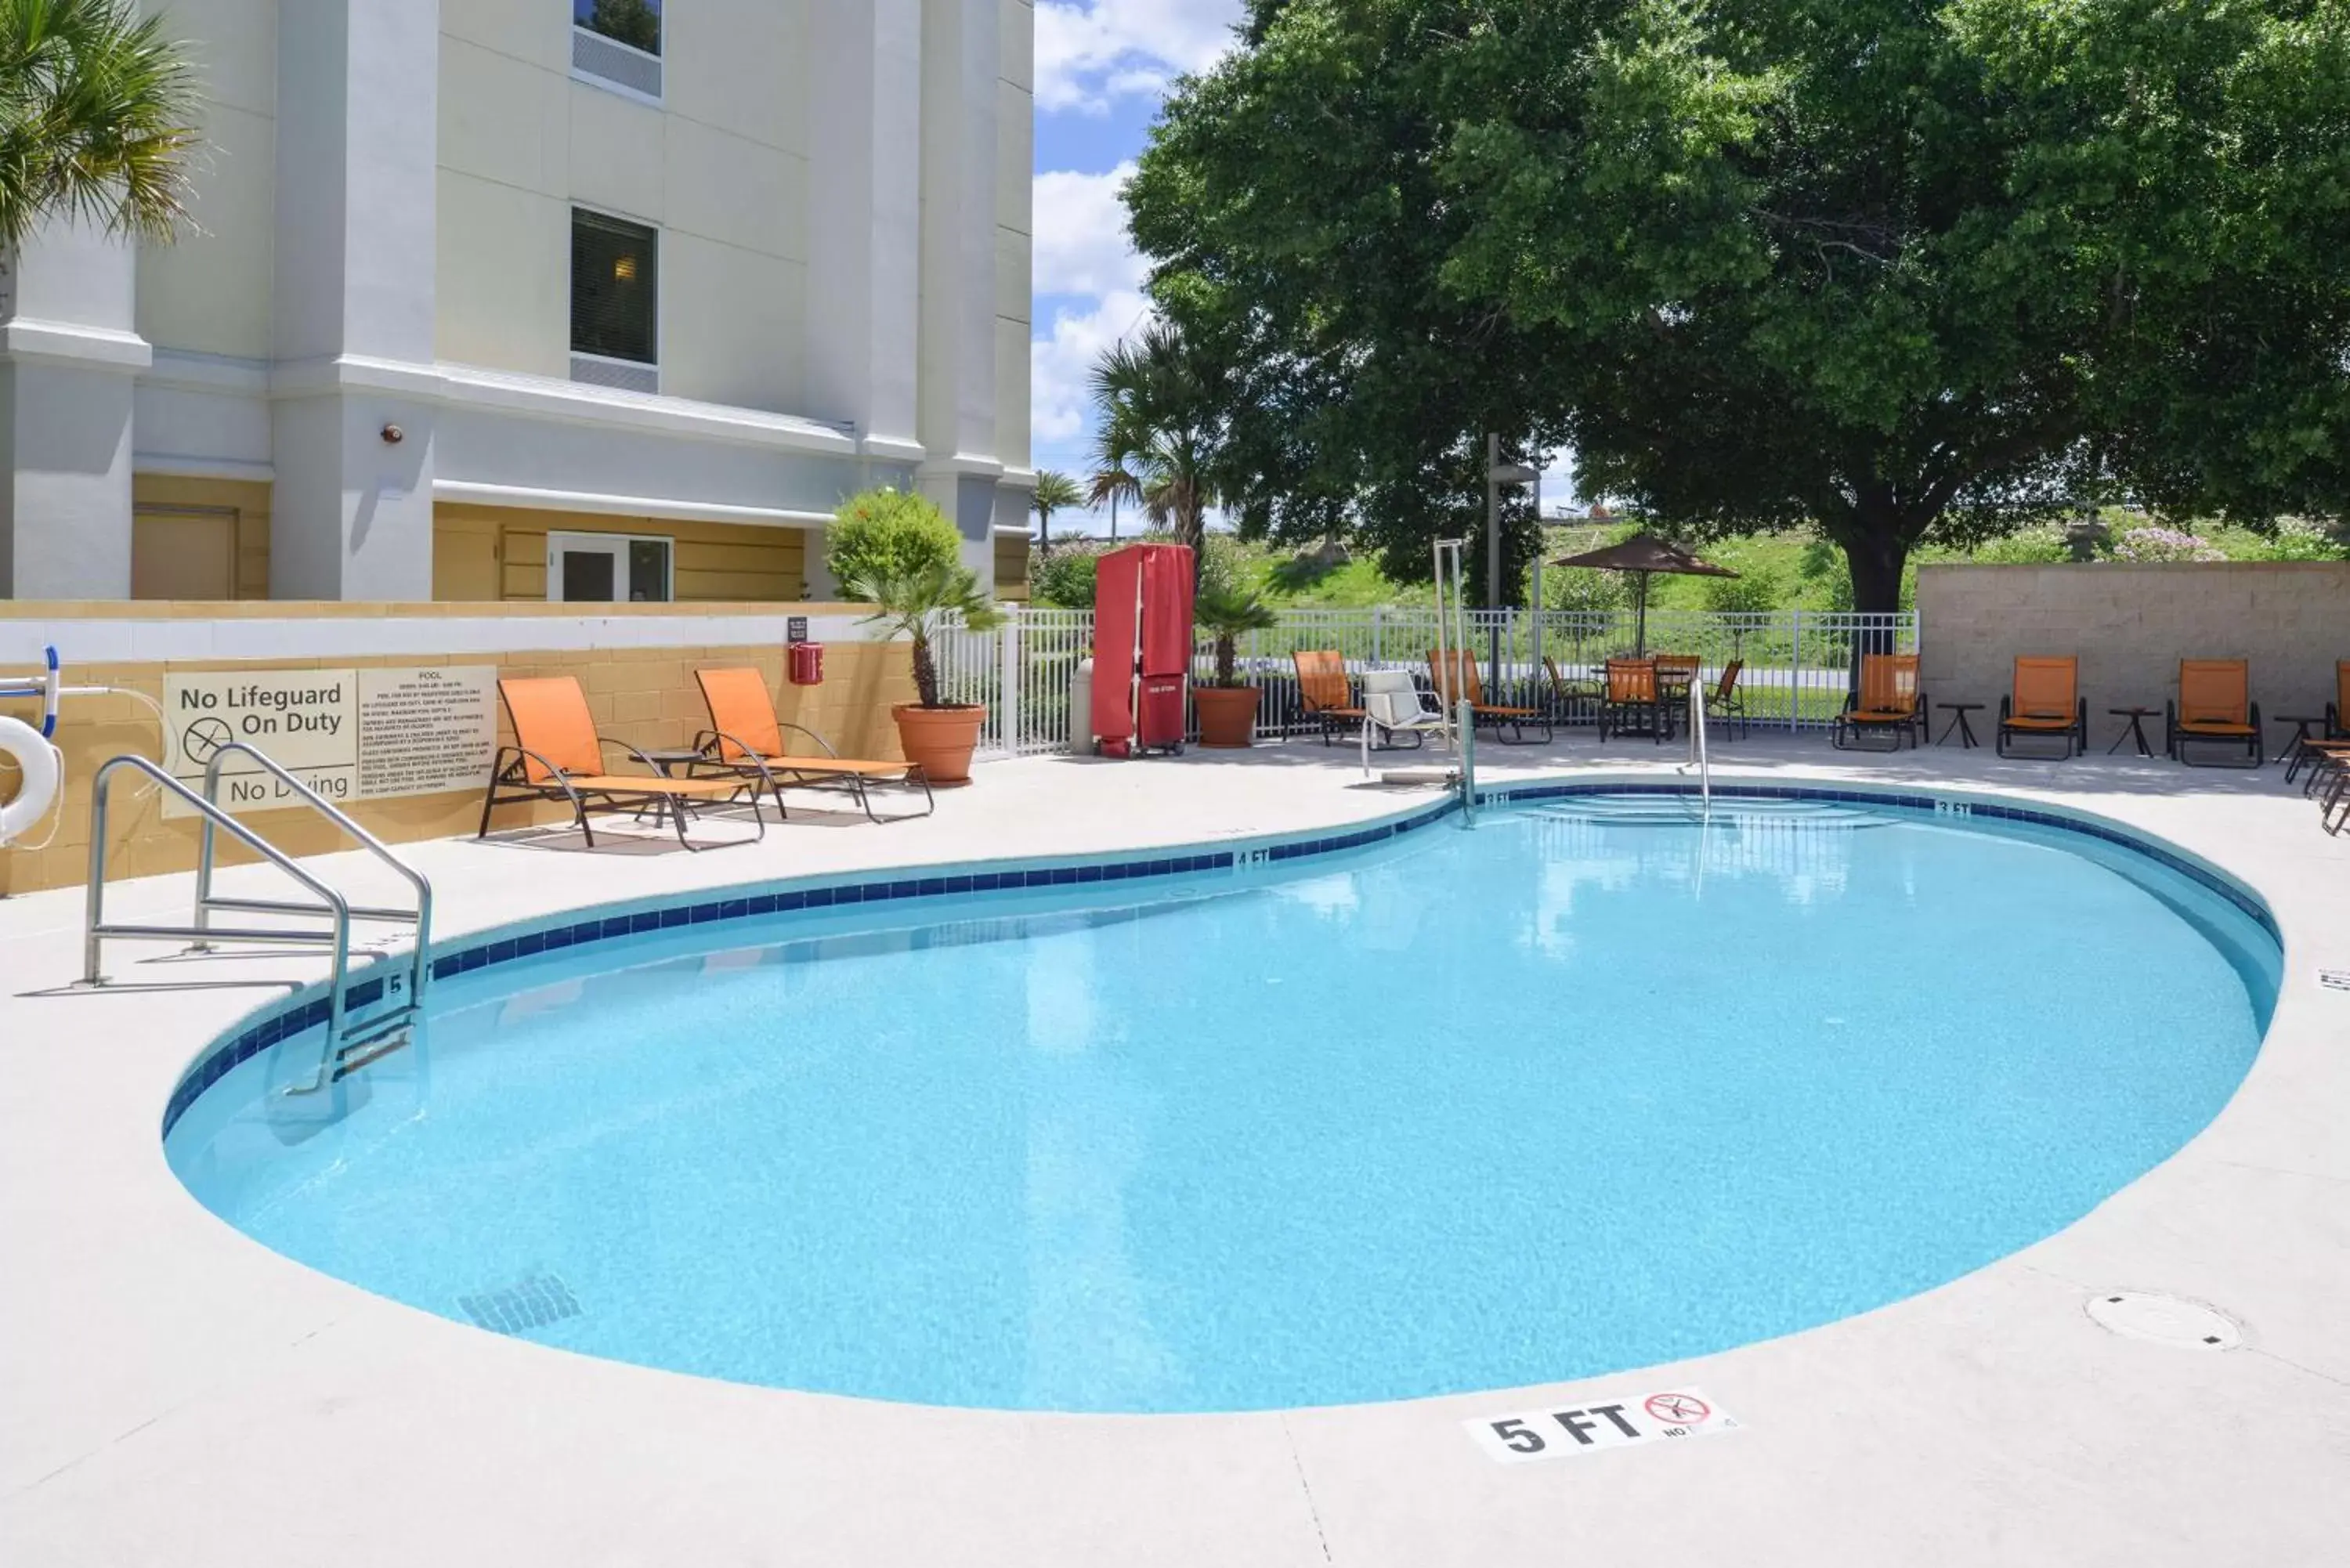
(1007, 706)
(1795, 674)
(1377, 655)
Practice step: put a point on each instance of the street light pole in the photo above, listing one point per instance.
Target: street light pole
(1497, 474)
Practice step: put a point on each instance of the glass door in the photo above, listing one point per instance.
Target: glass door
(606, 568)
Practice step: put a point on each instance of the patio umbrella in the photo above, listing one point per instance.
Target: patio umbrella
(1641, 554)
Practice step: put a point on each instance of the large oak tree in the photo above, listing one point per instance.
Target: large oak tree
(1888, 269)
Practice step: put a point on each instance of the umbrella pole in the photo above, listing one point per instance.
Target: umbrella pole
(1640, 637)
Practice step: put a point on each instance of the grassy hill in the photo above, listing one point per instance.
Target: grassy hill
(1776, 571)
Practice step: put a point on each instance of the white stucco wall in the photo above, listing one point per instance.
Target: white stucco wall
(383, 208)
(210, 293)
(720, 167)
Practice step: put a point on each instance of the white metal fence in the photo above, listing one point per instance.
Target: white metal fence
(1796, 666)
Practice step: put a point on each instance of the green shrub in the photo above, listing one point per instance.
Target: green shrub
(888, 534)
(2029, 547)
(1065, 576)
(1756, 591)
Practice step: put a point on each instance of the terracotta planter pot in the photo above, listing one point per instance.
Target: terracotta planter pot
(1227, 714)
(939, 739)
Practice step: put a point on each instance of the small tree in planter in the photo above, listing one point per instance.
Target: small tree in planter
(1227, 704)
(937, 736)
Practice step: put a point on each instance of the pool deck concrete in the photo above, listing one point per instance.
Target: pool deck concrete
(172, 1393)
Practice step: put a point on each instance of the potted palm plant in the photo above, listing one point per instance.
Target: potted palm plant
(1227, 704)
(916, 600)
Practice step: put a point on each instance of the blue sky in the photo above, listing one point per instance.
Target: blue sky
(1102, 68)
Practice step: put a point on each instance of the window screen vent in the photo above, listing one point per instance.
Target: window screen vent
(617, 373)
(610, 60)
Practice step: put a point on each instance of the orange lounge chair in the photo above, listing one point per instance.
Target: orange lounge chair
(746, 736)
(1466, 682)
(2046, 701)
(1631, 706)
(2214, 706)
(1888, 704)
(558, 756)
(1725, 701)
(1571, 701)
(1323, 693)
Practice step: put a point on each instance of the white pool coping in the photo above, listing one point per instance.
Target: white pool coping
(171, 1392)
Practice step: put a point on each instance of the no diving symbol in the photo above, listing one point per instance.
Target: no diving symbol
(1678, 1409)
(204, 737)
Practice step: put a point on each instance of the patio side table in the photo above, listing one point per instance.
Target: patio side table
(1958, 725)
(2136, 730)
(2296, 750)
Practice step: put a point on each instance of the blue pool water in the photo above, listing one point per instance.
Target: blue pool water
(1588, 1087)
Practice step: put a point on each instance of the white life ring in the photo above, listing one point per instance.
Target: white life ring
(23, 746)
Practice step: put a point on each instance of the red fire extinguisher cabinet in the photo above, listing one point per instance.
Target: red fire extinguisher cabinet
(1142, 649)
(806, 664)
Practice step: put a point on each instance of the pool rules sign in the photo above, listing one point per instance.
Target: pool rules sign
(350, 735)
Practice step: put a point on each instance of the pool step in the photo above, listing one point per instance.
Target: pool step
(1674, 810)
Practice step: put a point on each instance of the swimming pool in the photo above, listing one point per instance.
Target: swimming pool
(1593, 1086)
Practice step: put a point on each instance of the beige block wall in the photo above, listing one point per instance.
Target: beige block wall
(647, 697)
(2130, 626)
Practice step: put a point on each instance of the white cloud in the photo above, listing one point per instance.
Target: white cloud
(1087, 54)
(1081, 243)
(1058, 365)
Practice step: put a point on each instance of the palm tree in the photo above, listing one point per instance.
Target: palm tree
(1110, 486)
(96, 113)
(1054, 492)
(1158, 399)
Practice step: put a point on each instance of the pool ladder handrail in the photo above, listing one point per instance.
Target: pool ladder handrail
(348, 1046)
(1699, 757)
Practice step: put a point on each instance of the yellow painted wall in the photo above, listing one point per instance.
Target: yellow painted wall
(499, 553)
(248, 502)
(644, 696)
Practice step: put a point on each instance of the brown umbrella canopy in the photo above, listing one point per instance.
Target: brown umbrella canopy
(1646, 553)
(1641, 554)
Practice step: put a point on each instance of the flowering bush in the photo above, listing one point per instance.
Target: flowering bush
(2164, 544)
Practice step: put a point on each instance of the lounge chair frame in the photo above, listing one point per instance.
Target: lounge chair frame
(1855, 721)
(2014, 725)
(1333, 718)
(1727, 702)
(660, 793)
(1495, 717)
(777, 767)
(779, 772)
(1426, 718)
(2178, 734)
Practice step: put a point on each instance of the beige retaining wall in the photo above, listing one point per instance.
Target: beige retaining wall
(644, 694)
(2130, 626)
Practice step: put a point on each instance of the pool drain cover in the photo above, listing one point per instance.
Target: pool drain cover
(529, 1304)
(2165, 1320)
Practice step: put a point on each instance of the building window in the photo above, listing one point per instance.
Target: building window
(615, 301)
(617, 43)
(607, 568)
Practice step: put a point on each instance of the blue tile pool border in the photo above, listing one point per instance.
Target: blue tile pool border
(308, 1009)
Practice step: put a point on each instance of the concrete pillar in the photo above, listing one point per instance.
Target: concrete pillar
(68, 356)
(961, 57)
(357, 107)
(865, 219)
